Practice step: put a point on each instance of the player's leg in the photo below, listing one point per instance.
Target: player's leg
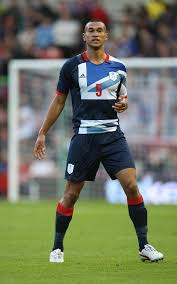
(82, 165)
(64, 214)
(136, 208)
(137, 213)
(119, 163)
(65, 210)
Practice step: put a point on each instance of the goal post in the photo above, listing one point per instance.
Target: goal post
(13, 106)
(31, 85)
(13, 91)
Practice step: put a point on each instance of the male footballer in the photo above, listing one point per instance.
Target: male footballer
(97, 84)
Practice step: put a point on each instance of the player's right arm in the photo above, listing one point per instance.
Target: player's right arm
(53, 113)
(55, 109)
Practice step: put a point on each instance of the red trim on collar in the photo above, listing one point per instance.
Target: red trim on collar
(107, 57)
(85, 57)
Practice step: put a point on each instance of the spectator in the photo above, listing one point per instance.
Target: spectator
(174, 49)
(3, 172)
(27, 123)
(146, 43)
(99, 13)
(155, 8)
(43, 34)
(12, 18)
(80, 10)
(164, 32)
(66, 31)
(26, 36)
(163, 50)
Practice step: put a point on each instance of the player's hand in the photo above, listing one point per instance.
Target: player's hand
(39, 148)
(121, 105)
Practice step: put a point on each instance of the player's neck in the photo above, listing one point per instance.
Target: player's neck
(96, 56)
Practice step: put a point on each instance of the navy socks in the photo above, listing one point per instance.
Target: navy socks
(138, 215)
(63, 218)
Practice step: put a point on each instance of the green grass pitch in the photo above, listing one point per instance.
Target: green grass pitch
(100, 246)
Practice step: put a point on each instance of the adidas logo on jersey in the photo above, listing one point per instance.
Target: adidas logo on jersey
(82, 76)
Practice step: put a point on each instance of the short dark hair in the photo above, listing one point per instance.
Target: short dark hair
(95, 21)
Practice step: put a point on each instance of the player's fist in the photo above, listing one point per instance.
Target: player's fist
(121, 105)
(39, 148)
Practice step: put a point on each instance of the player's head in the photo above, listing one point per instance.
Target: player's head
(95, 34)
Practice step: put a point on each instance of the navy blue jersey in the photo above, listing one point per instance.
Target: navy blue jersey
(93, 92)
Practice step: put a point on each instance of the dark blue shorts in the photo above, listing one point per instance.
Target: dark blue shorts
(86, 151)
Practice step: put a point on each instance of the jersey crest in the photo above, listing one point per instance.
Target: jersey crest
(70, 168)
(113, 76)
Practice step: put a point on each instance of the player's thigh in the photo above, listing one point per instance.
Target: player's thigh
(83, 158)
(117, 157)
(126, 176)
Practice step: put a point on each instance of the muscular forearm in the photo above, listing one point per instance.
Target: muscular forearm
(53, 113)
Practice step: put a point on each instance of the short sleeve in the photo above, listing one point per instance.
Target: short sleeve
(123, 75)
(123, 80)
(64, 82)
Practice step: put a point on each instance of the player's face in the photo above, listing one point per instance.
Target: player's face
(95, 34)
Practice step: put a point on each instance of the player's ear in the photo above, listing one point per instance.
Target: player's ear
(106, 36)
(83, 35)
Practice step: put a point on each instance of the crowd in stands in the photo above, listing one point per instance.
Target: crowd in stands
(38, 29)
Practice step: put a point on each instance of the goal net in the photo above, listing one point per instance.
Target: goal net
(149, 124)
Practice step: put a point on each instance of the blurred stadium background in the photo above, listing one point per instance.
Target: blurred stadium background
(41, 30)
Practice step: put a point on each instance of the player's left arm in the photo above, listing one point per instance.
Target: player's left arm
(122, 98)
(122, 103)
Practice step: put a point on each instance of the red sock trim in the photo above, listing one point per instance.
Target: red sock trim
(135, 201)
(64, 211)
(60, 93)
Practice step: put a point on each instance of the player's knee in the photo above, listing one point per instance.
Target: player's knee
(71, 194)
(70, 198)
(131, 189)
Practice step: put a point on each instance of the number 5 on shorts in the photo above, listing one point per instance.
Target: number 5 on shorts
(98, 90)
